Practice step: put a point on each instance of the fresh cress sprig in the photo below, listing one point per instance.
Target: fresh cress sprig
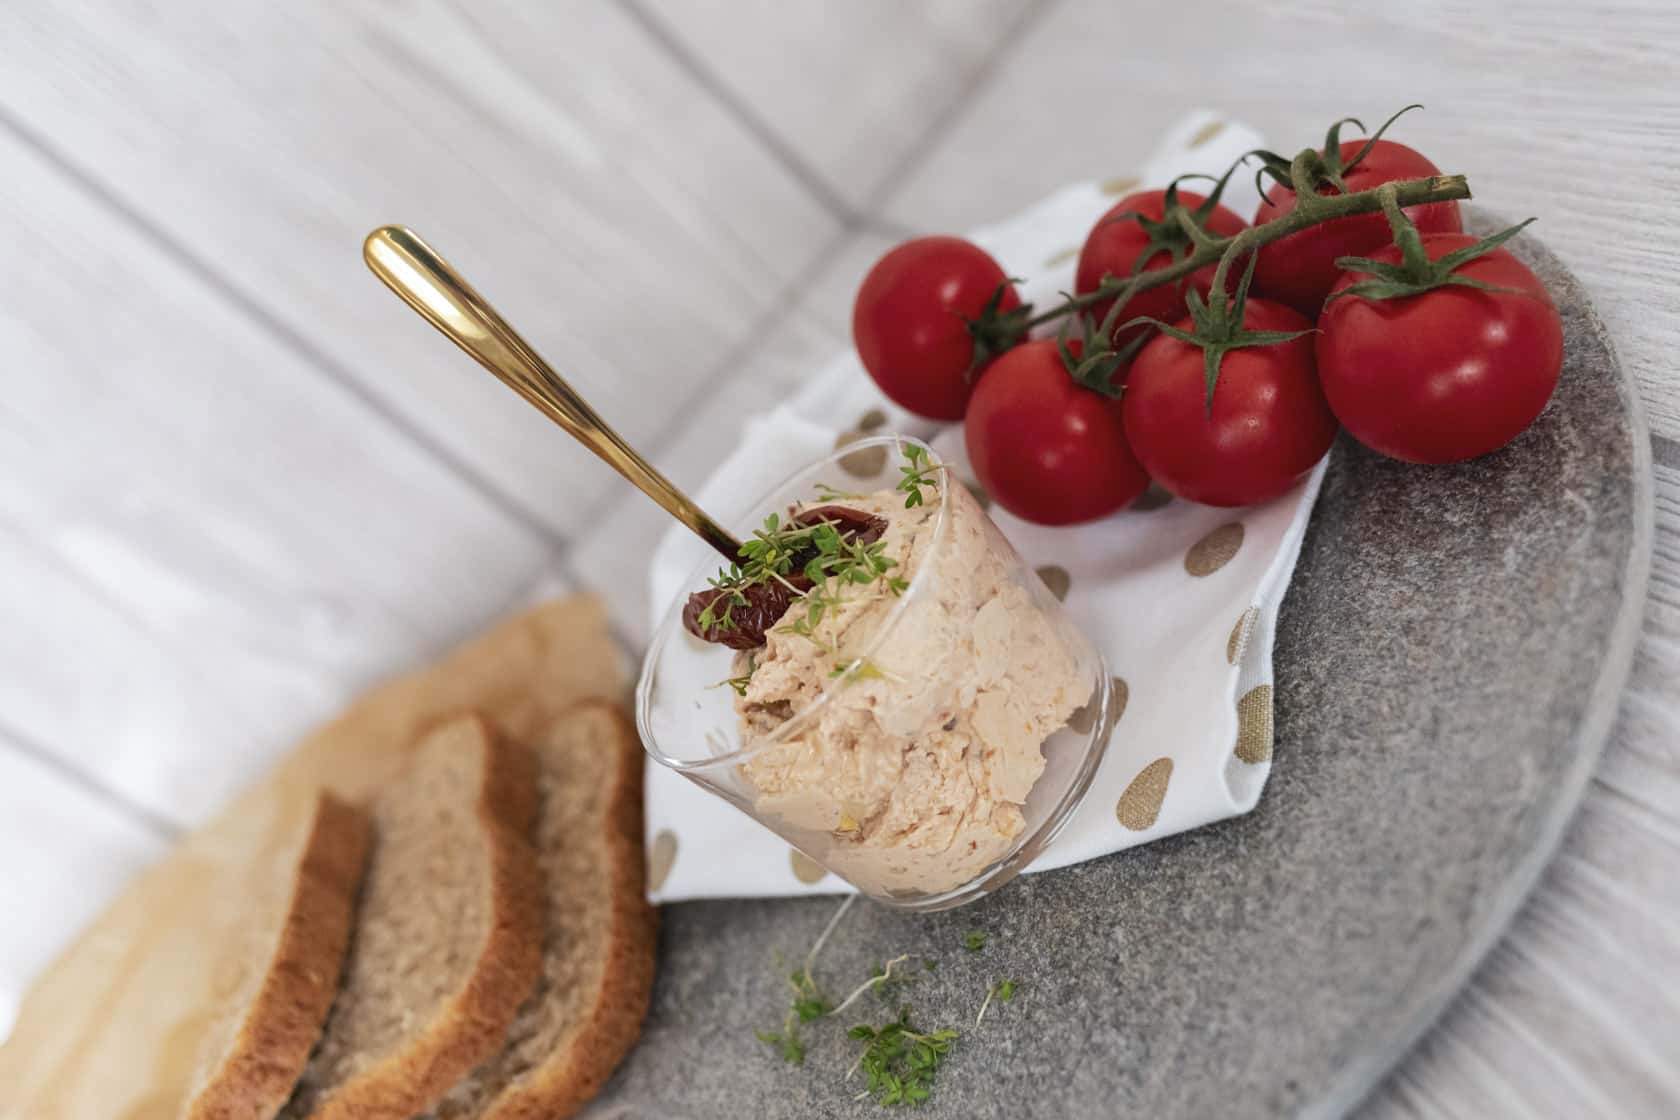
(841, 561)
(918, 471)
(817, 564)
(1001, 990)
(740, 683)
(836, 559)
(899, 1060)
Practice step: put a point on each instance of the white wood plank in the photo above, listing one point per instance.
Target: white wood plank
(1644, 765)
(205, 545)
(1567, 112)
(1555, 1024)
(830, 294)
(852, 90)
(612, 557)
(790, 352)
(185, 588)
(63, 854)
(613, 210)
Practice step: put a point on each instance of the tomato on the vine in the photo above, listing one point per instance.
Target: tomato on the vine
(1267, 425)
(925, 319)
(1449, 373)
(1119, 241)
(1300, 269)
(1046, 448)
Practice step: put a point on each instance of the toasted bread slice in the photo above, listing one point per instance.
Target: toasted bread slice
(256, 1051)
(587, 1009)
(448, 937)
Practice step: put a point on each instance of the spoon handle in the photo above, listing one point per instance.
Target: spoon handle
(428, 284)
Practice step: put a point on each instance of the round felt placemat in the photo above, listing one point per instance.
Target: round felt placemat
(1449, 661)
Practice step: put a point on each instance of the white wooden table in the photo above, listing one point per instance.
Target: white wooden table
(238, 481)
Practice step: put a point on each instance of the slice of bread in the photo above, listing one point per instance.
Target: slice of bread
(587, 1010)
(254, 1053)
(448, 938)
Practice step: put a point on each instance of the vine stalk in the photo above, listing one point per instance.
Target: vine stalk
(1311, 209)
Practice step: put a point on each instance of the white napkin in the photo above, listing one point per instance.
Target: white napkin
(1182, 599)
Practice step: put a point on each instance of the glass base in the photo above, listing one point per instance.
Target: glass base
(989, 881)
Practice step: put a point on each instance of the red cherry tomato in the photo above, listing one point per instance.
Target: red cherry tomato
(908, 321)
(1269, 423)
(1114, 246)
(1448, 374)
(1046, 448)
(1300, 269)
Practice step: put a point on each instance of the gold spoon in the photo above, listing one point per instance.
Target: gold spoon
(427, 283)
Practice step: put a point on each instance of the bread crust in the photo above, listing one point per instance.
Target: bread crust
(473, 1024)
(571, 1076)
(279, 1029)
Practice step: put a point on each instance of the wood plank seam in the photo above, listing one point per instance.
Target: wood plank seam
(312, 355)
(773, 312)
(61, 769)
(744, 114)
(1665, 451)
(14, 537)
(958, 106)
(790, 295)
(883, 226)
(852, 221)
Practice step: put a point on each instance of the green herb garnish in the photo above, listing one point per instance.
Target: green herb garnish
(815, 563)
(807, 1006)
(974, 940)
(739, 684)
(829, 493)
(900, 1061)
(885, 984)
(918, 472)
(787, 1044)
(834, 560)
(861, 670)
(841, 560)
(1001, 990)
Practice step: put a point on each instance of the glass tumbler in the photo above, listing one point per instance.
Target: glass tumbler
(929, 739)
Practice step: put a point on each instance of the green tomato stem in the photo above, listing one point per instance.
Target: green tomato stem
(1311, 209)
(1406, 235)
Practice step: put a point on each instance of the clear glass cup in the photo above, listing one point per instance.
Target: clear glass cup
(928, 743)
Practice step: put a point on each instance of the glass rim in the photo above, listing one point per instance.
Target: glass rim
(671, 623)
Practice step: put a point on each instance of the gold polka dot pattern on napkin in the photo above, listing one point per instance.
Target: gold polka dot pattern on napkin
(1207, 132)
(1238, 641)
(1141, 803)
(805, 869)
(1085, 716)
(1254, 724)
(1180, 597)
(1215, 550)
(662, 856)
(865, 462)
(1056, 578)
